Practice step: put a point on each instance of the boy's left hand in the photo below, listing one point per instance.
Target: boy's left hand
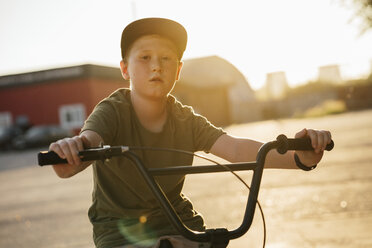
(319, 140)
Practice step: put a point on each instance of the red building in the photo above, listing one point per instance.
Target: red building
(62, 96)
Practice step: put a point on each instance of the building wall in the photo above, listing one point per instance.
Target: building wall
(210, 102)
(243, 105)
(218, 90)
(40, 102)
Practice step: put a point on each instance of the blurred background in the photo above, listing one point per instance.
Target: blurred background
(245, 61)
(256, 68)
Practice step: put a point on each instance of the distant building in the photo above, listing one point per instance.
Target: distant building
(329, 74)
(218, 90)
(276, 84)
(66, 96)
(61, 96)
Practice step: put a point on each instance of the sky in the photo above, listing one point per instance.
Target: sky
(256, 36)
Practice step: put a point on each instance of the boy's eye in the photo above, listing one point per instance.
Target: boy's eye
(145, 57)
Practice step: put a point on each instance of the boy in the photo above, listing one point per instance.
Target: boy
(123, 211)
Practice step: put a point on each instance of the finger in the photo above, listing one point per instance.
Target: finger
(301, 134)
(313, 137)
(326, 139)
(74, 149)
(329, 137)
(57, 149)
(321, 142)
(68, 150)
(79, 143)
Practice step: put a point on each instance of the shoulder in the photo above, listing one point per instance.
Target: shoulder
(109, 115)
(179, 110)
(113, 106)
(119, 99)
(121, 95)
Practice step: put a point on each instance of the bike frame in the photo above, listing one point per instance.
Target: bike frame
(219, 237)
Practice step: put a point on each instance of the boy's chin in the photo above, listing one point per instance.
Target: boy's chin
(157, 96)
(153, 93)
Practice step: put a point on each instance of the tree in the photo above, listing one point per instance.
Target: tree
(363, 11)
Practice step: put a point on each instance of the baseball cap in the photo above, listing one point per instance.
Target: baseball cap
(164, 27)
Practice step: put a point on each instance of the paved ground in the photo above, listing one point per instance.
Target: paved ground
(328, 207)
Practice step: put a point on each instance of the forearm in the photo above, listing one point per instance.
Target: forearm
(276, 160)
(68, 170)
(236, 149)
(246, 150)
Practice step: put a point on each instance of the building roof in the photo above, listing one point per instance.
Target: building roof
(210, 71)
(72, 72)
(202, 72)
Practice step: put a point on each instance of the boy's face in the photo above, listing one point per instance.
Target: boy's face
(152, 66)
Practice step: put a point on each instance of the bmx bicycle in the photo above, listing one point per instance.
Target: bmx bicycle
(217, 237)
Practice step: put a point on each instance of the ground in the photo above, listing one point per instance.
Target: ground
(328, 207)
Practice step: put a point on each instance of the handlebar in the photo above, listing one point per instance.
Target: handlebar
(219, 237)
(106, 152)
(98, 153)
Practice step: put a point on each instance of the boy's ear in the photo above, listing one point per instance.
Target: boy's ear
(179, 70)
(124, 70)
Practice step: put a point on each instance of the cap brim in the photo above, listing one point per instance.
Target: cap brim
(167, 28)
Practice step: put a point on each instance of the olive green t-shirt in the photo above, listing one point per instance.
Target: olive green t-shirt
(123, 210)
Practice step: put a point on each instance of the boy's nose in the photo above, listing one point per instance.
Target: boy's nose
(156, 64)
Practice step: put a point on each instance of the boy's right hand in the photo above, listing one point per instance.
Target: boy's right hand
(68, 148)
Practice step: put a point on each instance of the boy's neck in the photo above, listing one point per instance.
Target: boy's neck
(151, 113)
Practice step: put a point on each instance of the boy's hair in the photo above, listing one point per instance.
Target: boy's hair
(148, 26)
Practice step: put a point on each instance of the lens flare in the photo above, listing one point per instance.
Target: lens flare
(138, 233)
(142, 219)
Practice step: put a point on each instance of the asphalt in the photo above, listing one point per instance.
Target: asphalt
(328, 207)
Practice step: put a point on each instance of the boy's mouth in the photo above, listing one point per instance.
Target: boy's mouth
(156, 80)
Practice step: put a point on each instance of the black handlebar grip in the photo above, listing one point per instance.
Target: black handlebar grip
(299, 144)
(304, 144)
(49, 157)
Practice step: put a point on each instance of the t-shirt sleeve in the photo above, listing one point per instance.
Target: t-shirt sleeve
(103, 120)
(205, 133)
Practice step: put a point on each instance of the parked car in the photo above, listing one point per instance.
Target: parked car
(7, 134)
(39, 136)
